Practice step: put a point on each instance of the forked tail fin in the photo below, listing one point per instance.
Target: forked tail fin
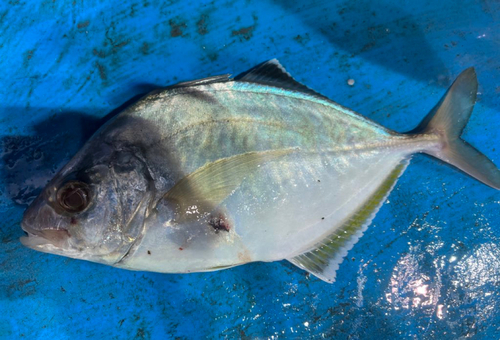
(447, 120)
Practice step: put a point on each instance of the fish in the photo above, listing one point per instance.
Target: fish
(219, 172)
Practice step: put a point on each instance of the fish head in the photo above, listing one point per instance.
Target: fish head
(93, 209)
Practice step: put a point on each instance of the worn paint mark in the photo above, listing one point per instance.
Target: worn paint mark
(102, 71)
(176, 28)
(122, 44)
(145, 48)
(2, 16)
(201, 25)
(213, 56)
(82, 86)
(141, 333)
(113, 42)
(132, 10)
(61, 55)
(367, 47)
(245, 33)
(83, 24)
(98, 53)
(27, 57)
(302, 39)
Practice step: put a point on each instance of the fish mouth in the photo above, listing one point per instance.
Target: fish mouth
(44, 239)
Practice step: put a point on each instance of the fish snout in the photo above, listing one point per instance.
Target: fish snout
(42, 221)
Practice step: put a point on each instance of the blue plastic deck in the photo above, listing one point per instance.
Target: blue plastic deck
(428, 267)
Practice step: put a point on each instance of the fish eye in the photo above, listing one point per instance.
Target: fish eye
(74, 196)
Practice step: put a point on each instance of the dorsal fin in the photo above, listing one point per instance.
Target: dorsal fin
(324, 260)
(271, 73)
(205, 81)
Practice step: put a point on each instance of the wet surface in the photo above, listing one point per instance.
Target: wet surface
(428, 266)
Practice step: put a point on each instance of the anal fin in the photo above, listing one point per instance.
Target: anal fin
(325, 258)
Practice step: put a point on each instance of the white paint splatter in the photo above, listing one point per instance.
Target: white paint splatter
(361, 285)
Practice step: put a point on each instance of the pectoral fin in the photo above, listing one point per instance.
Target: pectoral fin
(201, 191)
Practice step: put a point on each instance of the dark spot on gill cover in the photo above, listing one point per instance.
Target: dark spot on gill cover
(176, 28)
(149, 252)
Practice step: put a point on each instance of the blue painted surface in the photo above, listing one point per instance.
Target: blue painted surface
(429, 266)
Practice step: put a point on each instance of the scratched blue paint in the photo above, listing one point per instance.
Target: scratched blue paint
(429, 266)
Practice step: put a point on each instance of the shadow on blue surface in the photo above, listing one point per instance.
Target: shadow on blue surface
(382, 33)
(27, 158)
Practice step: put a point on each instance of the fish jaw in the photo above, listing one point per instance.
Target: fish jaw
(44, 245)
(54, 241)
(59, 242)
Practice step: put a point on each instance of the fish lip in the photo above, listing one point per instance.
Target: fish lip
(34, 242)
(28, 230)
(39, 238)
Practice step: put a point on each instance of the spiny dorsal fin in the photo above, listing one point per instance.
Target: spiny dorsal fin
(211, 184)
(324, 260)
(205, 81)
(271, 73)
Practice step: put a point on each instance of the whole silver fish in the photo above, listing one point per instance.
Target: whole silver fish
(219, 172)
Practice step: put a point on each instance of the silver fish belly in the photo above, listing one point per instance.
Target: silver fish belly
(256, 168)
